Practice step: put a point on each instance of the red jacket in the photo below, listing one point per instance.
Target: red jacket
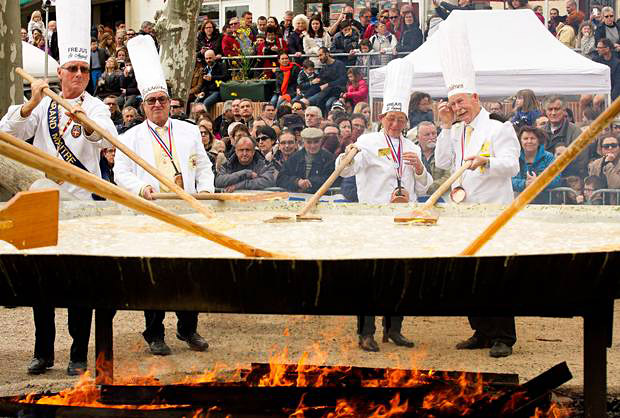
(270, 62)
(230, 46)
(357, 93)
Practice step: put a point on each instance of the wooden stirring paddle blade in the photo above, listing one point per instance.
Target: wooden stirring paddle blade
(30, 219)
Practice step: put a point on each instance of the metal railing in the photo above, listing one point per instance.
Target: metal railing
(568, 196)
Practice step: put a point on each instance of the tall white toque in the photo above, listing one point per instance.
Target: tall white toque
(73, 27)
(455, 55)
(146, 65)
(398, 86)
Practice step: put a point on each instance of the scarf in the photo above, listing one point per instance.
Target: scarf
(286, 71)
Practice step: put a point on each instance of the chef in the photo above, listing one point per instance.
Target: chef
(469, 134)
(388, 168)
(175, 148)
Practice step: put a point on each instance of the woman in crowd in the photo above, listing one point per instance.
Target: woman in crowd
(357, 89)
(214, 147)
(565, 34)
(121, 55)
(37, 39)
(364, 61)
(384, 43)
(607, 168)
(36, 22)
(410, 34)
(585, 40)
(532, 162)
(230, 45)
(420, 108)
(295, 40)
(209, 38)
(107, 43)
(272, 45)
(129, 88)
(110, 80)
(286, 81)
(526, 109)
(316, 38)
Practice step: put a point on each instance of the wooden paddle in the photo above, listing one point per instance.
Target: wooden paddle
(311, 203)
(423, 216)
(33, 157)
(237, 197)
(86, 121)
(547, 176)
(30, 219)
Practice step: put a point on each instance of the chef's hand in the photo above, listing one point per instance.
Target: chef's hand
(403, 192)
(477, 161)
(412, 159)
(147, 192)
(37, 95)
(446, 115)
(73, 116)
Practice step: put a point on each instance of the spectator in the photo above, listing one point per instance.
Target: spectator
(411, 36)
(246, 26)
(244, 42)
(526, 109)
(286, 27)
(266, 139)
(98, 58)
(282, 111)
(236, 131)
(554, 20)
(246, 169)
(541, 122)
(197, 111)
(562, 132)
(268, 115)
(110, 80)
(177, 108)
(37, 39)
(364, 109)
(427, 140)
(307, 169)
(305, 86)
(538, 11)
(209, 38)
(420, 108)
(130, 118)
(607, 168)
(313, 117)
(286, 80)
(230, 44)
(345, 42)
(299, 108)
(130, 33)
(214, 147)
(590, 185)
(261, 26)
(359, 126)
(316, 38)
(343, 122)
(222, 122)
(332, 80)
(393, 26)
(107, 43)
(295, 38)
(273, 22)
(287, 146)
(106, 164)
(574, 17)
(497, 108)
(24, 35)
(115, 113)
(346, 14)
(36, 22)
(213, 74)
(605, 56)
(295, 124)
(246, 112)
(585, 40)
(121, 56)
(120, 40)
(533, 160)
(272, 45)
(363, 61)
(384, 17)
(609, 28)
(443, 9)
(565, 34)
(129, 88)
(365, 17)
(572, 170)
(357, 89)
(331, 138)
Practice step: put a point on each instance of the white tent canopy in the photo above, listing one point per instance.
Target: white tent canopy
(33, 60)
(511, 50)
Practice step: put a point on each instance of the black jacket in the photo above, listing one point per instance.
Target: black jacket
(292, 81)
(233, 173)
(341, 43)
(103, 57)
(411, 38)
(334, 74)
(295, 43)
(294, 169)
(444, 9)
(218, 73)
(599, 32)
(203, 44)
(614, 73)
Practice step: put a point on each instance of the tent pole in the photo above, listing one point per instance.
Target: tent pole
(547, 11)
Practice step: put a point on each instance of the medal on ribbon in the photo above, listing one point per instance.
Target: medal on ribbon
(178, 177)
(398, 195)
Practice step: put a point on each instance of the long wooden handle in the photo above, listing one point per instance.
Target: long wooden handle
(546, 177)
(237, 197)
(445, 186)
(35, 158)
(345, 161)
(86, 121)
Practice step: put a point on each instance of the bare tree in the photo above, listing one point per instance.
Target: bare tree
(176, 33)
(11, 90)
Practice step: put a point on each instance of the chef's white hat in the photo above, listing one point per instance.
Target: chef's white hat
(73, 26)
(146, 65)
(455, 55)
(398, 86)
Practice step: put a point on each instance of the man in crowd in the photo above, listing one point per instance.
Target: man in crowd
(359, 124)
(345, 41)
(246, 169)
(388, 168)
(287, 146)
(213, 74)
(607, 168)
(347, 15)
(331, 137)
(115, 113)
(261, 26)
(175, 148)
(223, 121)
(307, 169)
(177, 108)
(98, 57)
(130, 118)
(332, 80)
(313, 117)
(61, 136)
(245, 113)
(343, 123)
(427, 139)
(286, 26)
(604, 48)
(268, 114)
(574, 17)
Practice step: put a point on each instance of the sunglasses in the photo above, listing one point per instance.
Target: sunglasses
(176, 106)
(609, 146)
(74, 69)
(204, 133)
(263, 138)
(608, 16)
(393, 17)
(161, 99)
(297, 108)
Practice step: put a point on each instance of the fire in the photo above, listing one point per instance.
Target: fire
(554, 411)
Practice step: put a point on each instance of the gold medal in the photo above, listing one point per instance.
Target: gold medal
(458, 194)
(398, 196)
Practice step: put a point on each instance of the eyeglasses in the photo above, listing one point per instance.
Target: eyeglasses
(204, 133)
(161, 99)
(609, 146)
(175, 106)
(608, 16)
(74, 69)
(393, 17)
(263, 138)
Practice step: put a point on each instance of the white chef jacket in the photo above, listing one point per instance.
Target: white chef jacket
(489, 138)
(194, 164)
(375, 172)
(86, 149)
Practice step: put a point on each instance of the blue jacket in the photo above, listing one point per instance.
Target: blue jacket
(526, 118)
(542, 160)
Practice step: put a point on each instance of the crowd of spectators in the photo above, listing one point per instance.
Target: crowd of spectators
(319, 105)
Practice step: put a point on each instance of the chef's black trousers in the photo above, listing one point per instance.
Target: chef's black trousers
(495, 328)
(187, 322)
(79, 320)
(366, 324)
